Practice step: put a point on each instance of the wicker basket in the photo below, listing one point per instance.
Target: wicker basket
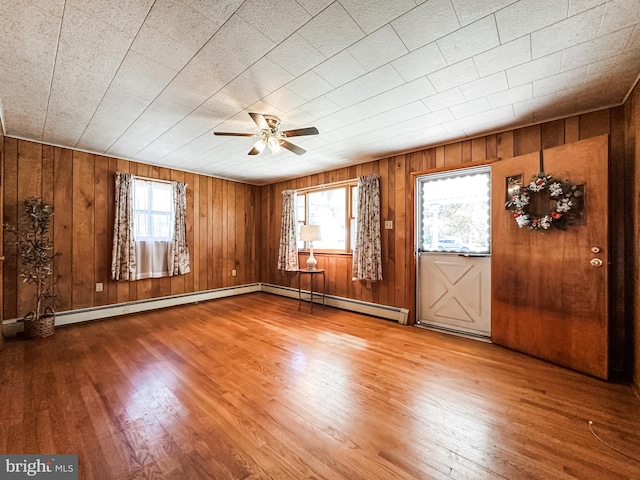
(41, 328)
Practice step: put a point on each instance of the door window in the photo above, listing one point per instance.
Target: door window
(454, 211)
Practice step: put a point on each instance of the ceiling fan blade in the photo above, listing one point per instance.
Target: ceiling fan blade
(294, 148)
(260, 121)
(258, 147)
(299, 132)
(231, 134)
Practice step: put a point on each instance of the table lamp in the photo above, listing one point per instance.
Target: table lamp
(309, 233)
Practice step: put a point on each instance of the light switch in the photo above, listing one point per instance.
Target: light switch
(388, 225)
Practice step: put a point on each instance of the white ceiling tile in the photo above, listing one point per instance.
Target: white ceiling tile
(380, 80)
(381, 47)
(470, 108)
(296, 55)
(246, 42)
(89, 53)
(495, 114)
(512, 95)
(180, 23)
(579, 6)
(444, 100)
(276, 20)
(485, 86)
(461, 123)
(562, 81)
(328, 124)
(620, 14)
(389, 100)
(320, 107)
(298, 118)
(454, 76)
(627, 63)
(469, 11)
(420, 62)
(527, 16)
(122, 14)
(475, 38)
(26, 67)
(373, 14)
(597, 49)
(215, 10)
(116, 112)
(332, 30)
(340, 69)
(284, 99)
(268, 74)
(505, 56)
(535, 69)
(426, 23)
(566, 33)
(154, 43)
(243, 92)
(141, 76)
(192, 86)
(314, 7)
(309, 86)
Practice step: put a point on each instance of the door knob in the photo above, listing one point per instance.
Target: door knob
(595, 249)
(595, 262)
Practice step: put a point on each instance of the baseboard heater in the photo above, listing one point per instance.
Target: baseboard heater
(13, 326)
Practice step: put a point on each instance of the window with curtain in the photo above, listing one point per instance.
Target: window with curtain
(153, 227)
(149, 229)
(333, 207)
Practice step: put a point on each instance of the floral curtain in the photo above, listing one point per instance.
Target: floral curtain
(123, 260)
(288, 252)
(179, 250)
(367, 253)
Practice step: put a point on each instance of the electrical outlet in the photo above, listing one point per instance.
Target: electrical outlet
(388, 225)
(99, 287)
(234, 273)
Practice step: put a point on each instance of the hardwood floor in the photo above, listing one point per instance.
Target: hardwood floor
(249, 388)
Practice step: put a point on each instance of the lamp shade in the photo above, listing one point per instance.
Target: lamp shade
(310, 233)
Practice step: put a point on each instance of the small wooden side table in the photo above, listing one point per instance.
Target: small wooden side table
(312, 274)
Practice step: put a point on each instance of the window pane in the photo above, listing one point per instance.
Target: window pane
(153, 210)
(141, 192)
(455, 212)
(161, 226)
(327, 209)
(161, 198)
(141, 227)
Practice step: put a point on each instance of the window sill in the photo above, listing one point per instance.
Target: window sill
(326, 253)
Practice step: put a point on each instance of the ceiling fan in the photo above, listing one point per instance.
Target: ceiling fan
(272, 135)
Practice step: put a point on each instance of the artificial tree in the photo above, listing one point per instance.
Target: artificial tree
(36, 262)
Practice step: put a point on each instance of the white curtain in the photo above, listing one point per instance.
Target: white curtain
(179, 251)
(123, 259)
(288, 251)
(367, 253)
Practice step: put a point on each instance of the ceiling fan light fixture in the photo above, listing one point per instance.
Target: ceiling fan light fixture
(274, 145)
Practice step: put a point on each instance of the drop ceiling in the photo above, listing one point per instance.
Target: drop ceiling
(151, 80)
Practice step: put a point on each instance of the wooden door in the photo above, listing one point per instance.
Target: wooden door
(455, 292)
(547, 299)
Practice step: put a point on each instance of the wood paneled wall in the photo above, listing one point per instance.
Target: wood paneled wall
(397, 288)
(1, 229)
(222, 222)
(632, 111)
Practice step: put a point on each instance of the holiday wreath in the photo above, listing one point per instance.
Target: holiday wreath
(565, 195)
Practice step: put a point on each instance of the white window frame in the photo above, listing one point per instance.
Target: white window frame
(302, 195)
(149, 212)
